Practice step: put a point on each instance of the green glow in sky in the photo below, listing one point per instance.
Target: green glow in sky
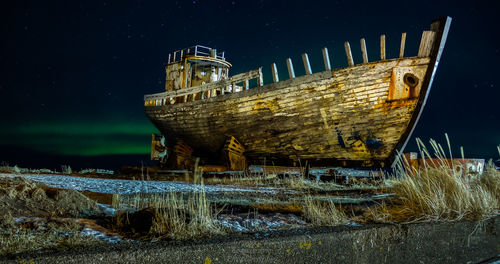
(82, 139)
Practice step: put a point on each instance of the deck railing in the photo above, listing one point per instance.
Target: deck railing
(206, 90)
(197, 50)
(209, 90)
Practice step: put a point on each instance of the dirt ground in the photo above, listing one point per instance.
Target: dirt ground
(35, 216)
(23, 197)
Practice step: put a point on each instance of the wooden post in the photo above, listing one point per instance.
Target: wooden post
(195, 50)
(260, 79)
(175, 52)
(326, 59)
(426, 44)
(275, 73)
(363, 50)
(246, 84)
(169, 57)
(402, 47)
(305, 59)
(289, 65)
(348, 53)
(382, 47)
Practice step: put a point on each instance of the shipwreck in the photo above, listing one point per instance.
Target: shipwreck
(361, 115)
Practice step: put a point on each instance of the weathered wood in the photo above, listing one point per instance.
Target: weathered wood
(318, 122)
(246, 85)
(426, 43)
(307, 65)
(260, 78)
(183, 156)
(402, 46)
(359, 113)
(348, 53)
(382, 47)
(326, 59)
(289, 65)
(169, 58)
(275, 73)
(220, 85)
(363, 50)
(234, 154)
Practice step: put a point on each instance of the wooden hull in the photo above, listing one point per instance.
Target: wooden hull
(338, 115)
(357, 116)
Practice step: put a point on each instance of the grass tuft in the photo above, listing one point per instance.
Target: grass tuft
(438, 191)
(322, 213)
(176, 215)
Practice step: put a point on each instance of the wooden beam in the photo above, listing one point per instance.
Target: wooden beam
(382, 47)
(307, 65)
(348, 53)
(326, 59)
(260, 78)
(426, 44)
(289, 65)
(402, 46)
(275, 73)
(169, 58)
(363, 50)
(246, 84)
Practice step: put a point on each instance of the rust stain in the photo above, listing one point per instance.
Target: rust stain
(266, 105)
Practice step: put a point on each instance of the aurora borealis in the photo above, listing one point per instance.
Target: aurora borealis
(86, 139)
(73, 73)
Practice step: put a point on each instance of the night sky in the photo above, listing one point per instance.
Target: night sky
(73, 73)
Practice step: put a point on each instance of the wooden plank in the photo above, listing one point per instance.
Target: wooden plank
(260, 78)
(426, 43)
(275, 73)
(348, 53)
(289, 65)
(307, 65)
(326, 59)
(246, 85)
(363, 50)
(402, 46)
(382, 47)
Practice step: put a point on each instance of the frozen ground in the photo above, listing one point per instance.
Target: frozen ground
(236, 223)
(40, 225)
(131, 187)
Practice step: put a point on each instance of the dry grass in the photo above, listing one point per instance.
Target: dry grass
(55, 234)
(322, 213)
(439, 192)
(176, 215)
(292, 181)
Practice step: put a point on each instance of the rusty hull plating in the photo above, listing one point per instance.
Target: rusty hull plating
(361, 115)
